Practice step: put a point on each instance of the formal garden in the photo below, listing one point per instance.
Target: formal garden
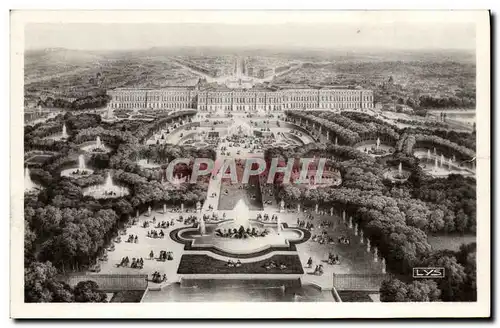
(103, 204)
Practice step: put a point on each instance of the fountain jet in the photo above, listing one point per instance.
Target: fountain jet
(81, 162)
(202, 226)
(64, 132)
(109, 182)
(241, 213)
(28, 184)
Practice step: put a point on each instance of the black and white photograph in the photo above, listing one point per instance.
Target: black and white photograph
(330, 159)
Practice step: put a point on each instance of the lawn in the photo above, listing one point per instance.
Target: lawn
(450, 242)
(250, 193)
(128, 296)
(355, 296)
(203, 264)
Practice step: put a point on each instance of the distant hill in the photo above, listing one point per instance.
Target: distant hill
(61, 56)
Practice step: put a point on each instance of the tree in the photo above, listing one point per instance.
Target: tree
(423, 291)
(61, 292)
(41, 286)
(449, 221)
(467, 257)
(29, 237)
(88, 292)
(452, 284)
(436, 222)
(461, 221)
(393, 290)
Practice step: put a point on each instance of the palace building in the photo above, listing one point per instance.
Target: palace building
(217, 99)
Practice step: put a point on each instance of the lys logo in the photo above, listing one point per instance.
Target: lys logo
(428, 272)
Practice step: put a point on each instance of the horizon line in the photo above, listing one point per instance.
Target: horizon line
(262, 47)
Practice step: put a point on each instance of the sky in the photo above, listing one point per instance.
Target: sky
(395, 34)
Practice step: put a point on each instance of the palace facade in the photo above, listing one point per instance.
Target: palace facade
(255, 99)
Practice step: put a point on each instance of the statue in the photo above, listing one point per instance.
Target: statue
(361, 235)
(355, 229)
(331, 211)
(368, 245)
(383, 266)
(182, 207)
(316, 208)
(198, 206)
(149, 211)
(350, 222)
(375, 254)
(282, 206)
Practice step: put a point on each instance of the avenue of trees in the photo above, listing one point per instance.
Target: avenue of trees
(147, 130)
(345, 136)
(365, 130)
(426, 101)
(88, 102)
(348, 127)
(410, 141)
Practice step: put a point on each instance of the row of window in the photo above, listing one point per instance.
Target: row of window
(237, 100)
(150, 98)
(149, 105)
(243, 101)
(236, 107)
(273, 96)
(345, 105)
(285, 99)
(288, 106)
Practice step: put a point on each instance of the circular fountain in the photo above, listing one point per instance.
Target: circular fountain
(107, 190)
(176, 181)
(78, 172)
(240, 235)
(375, 149)
(59, 136)
(439, 166)
(398, 175)
(96, 147)
(240, 128)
